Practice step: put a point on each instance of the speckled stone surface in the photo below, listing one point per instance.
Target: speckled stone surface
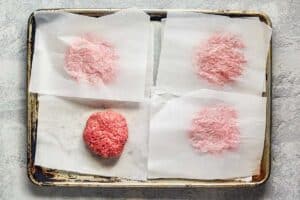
(284, 182)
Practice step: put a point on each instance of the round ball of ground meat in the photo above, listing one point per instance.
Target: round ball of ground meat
(106, 133)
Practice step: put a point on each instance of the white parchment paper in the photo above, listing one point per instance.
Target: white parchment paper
(150, 62)
(184, 32)
(170, 152)
(128, 30)
(60, 144)
(86, 106)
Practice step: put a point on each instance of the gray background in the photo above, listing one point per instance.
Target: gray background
(285, 177)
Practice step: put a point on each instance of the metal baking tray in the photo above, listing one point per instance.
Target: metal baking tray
(50, 177)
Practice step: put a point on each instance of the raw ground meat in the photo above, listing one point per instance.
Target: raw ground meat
(215, 129)
(92, 60)
(220, 60)
(106, 133)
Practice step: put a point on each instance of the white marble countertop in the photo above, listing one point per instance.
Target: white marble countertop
(284, 182)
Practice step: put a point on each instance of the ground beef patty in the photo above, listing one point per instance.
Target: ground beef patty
(106, 133)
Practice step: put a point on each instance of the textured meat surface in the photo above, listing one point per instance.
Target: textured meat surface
(90, 59)
(106, 133)
(220, 60)
(215, 129)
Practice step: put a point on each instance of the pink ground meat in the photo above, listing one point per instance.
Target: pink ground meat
(92, 60)
(106, 133)
(220, 60)
(214, 129)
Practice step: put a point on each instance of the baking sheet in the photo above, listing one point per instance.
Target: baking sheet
(45, 176)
